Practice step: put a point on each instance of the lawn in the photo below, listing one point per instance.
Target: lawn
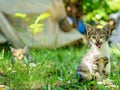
(55, 70)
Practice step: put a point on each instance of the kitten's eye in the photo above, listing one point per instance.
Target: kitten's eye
(19, 54)
(102, 37)
(93, 37)
(93, 40)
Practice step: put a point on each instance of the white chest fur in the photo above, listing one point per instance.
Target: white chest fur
(103, 51)
(94, 51)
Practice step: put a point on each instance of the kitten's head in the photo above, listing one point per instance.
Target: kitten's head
(98, 35)
(18, 54)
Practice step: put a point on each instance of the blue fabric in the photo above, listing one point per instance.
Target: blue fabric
(80, 27)
(71, 19)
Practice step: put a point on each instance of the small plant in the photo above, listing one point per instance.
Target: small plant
(2, 54)
(55, 70)
(37, 26)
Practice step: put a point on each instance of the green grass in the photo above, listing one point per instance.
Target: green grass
(55, 70)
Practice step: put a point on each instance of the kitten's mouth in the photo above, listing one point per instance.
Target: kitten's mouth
(99, 45)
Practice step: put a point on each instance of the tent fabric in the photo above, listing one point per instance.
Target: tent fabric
(2, 39)
(52, 36)
(24, 6)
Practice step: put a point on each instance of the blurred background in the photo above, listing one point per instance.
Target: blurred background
(54, 23)
(45, 26)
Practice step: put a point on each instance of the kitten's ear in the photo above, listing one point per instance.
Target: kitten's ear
(12, 49)
(107, 28)
(88, 27)
(112, 24)
(25, 49)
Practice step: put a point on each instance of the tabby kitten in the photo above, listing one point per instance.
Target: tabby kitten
(98, 68)
(20, 55)
(96, 63)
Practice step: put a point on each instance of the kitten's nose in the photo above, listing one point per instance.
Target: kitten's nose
(97, 39)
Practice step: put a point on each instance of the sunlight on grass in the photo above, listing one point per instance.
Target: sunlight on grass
(55, 70)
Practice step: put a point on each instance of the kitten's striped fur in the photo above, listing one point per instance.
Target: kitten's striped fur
(96, 63)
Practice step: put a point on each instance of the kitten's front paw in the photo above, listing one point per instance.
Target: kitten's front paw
(106, 82)
(95, 67)
(110, 84)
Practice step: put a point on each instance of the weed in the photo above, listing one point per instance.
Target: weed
(55, 70)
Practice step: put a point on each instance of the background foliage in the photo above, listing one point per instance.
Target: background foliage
(96, 10)
(99, 10)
